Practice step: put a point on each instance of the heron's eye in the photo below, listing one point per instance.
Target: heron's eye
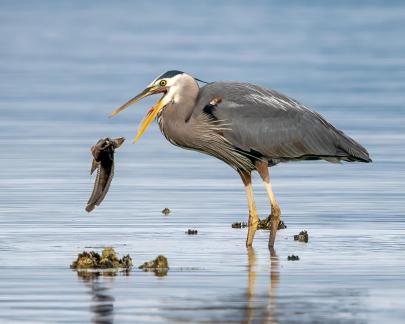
(162, 83)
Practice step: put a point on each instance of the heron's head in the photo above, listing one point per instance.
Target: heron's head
(173, 85)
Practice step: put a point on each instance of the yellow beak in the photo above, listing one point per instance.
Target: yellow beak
(151, 114)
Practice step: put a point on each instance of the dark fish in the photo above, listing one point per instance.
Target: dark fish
(103, 161)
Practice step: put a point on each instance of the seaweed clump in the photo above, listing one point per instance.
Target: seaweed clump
(107, 260)
(301, 237)
(265, 224)
(86, 260)
(159, 266)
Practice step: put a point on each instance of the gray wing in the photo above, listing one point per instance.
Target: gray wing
(277, 127)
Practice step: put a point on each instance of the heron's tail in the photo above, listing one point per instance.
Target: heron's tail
(354, 150)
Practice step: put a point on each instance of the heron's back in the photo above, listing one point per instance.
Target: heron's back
(265, 123)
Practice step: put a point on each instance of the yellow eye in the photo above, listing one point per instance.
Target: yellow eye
(162, 83)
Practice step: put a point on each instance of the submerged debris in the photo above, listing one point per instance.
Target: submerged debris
(239, 225)
(293, 257)
(302, 237)
(191, 232)
(107, 260)
(166, 211)
(159, 266)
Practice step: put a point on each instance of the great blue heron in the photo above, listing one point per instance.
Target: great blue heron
(246, 126)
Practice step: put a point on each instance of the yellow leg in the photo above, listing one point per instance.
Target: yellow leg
(262, 168)
(253, 217)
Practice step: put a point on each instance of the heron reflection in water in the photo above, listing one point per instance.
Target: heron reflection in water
(246, 126)
(251, 311)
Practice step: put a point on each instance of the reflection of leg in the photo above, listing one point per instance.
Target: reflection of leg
(272, 290)
(263, 169)
(251, 271)
(274, 271)
(251, 285)
(253, 217)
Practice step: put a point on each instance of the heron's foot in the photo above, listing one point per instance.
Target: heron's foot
(274, 224)
(252, 226)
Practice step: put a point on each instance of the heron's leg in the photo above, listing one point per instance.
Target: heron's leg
(253, 217)
(263, 169)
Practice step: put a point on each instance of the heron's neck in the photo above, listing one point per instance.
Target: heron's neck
(174, 120)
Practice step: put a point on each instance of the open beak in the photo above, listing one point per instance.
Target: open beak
(151, 113)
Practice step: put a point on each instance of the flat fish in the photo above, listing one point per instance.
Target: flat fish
(103, 161)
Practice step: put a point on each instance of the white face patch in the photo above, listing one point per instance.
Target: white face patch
(172, 84)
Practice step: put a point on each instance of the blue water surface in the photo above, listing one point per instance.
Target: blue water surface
(65, 65)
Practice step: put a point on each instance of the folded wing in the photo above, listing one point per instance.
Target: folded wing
(264, 122)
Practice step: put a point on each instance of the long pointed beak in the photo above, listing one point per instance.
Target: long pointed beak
(147, 92)
(151, 114)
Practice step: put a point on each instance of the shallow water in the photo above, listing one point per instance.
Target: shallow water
(66, 65)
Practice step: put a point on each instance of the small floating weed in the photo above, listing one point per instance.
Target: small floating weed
(302, 237)
(293, 257)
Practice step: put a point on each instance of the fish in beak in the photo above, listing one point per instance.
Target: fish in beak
(152, 113)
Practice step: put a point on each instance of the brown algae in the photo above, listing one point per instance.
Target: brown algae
(159, 266)
(107, 260)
